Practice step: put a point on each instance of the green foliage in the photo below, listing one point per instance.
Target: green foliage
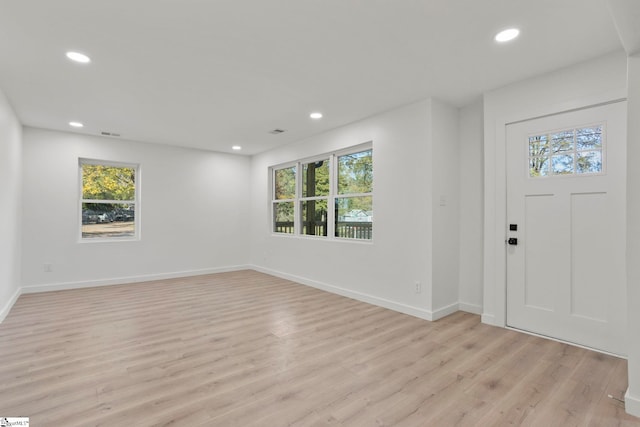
(101, 182)
(315, 179)
(345, 205)
(355, 178)
(285, 183)
(355, 173)
(538, 152)
(538, 166)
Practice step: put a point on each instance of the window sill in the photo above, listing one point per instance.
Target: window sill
(322, 238)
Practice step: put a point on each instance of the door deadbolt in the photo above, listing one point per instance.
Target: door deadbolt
(512, 241)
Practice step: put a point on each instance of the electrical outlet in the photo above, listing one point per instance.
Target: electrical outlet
(48, 267)
(418, 287)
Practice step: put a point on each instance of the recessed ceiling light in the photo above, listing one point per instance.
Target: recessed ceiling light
(236, 147)
(78, 57)
(315, 115)
(506, 35)
(76, 124)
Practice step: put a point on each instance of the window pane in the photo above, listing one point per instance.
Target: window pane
(315, 179)
(314, 217)
(589, 138)
(108, 220)
(354, 217)
(283, 217)
(101, 182)
(355, 173)
(539, 166)
(589, 161)
(538, 145)
(285, 183)
(562, 141)
(562, 165)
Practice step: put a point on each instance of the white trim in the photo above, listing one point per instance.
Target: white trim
(470, 308)
(489, 319)
(331, 198)
(7, 307)
(129, 279)
(135, 202)
(548, 337)
(445, 311)
(110, 163)
(370, 299)
(632, 404)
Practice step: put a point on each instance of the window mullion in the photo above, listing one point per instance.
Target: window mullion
(109, 202)
(273, 204)
(357, 206)
(331, 203)
(297, 211)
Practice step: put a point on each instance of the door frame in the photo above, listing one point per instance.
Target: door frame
(495, 198)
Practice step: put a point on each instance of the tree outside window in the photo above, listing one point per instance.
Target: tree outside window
(331, 195)
(108, 200)
(567, 152)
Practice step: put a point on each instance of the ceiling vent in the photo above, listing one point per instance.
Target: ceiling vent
(276, 131)
(109, 134)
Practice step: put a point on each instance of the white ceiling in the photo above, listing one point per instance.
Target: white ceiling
(213, 73)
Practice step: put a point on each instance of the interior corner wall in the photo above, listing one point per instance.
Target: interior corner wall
(444, 126)
(633, 234)
(10, 214)
(599, 80)
(471, 212)
(193, 212)
(385, 270)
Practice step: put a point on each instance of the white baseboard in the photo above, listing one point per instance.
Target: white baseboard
(381, 302)
(371, 299)
(632, 404)
(489, 319)
(470, 308)
(444, 311)
(4, 312)
(129, 279)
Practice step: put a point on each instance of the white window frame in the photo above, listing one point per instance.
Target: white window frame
(300, 198)
(275, 201)
(335, 191)
(135, 202)
(575, 152)
(331, 198)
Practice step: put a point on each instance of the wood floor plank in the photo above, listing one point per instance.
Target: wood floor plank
(249, 349)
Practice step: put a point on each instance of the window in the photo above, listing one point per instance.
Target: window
(285, 194)
(303, 193)
(315, 198)
(354, 202)
(108, 200)
(568, 152)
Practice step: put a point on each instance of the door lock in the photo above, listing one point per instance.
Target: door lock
(512, 241)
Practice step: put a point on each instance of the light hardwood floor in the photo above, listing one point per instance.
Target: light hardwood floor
(244, 348)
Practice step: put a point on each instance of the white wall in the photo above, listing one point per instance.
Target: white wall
(633, 234)
(385, 270)
(194, 212)
(471, 218)
(10, 200)
(445, 163)
(596, 81)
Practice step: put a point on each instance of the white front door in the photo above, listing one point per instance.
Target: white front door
(566, 208)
